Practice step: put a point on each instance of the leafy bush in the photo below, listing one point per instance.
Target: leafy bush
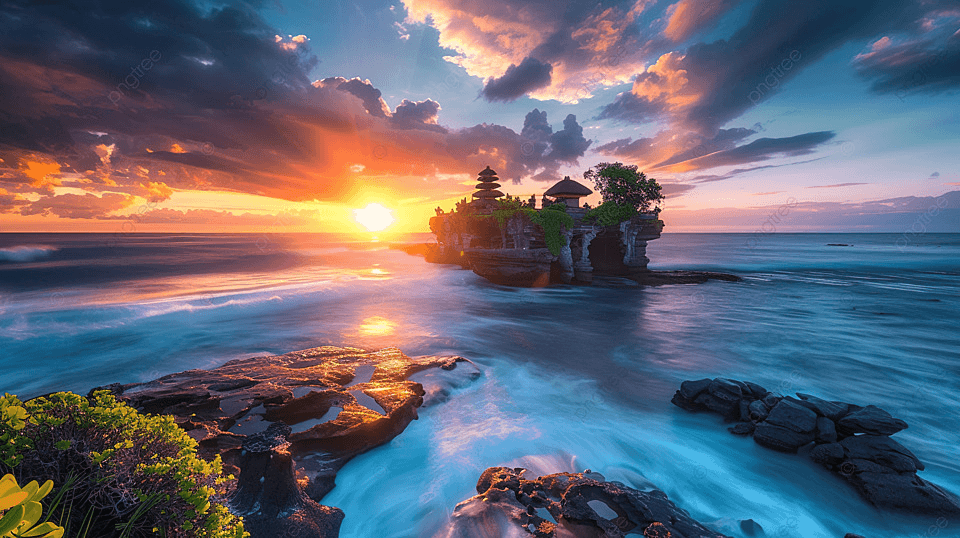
(553, 221)
(610, 213)
(20, 510)
(624, 185)
(123, 473)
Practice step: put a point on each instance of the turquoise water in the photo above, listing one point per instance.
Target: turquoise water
(574, 377)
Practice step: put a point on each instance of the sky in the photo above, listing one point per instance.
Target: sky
(282, 116)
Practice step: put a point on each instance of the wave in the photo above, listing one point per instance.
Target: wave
(25, 253)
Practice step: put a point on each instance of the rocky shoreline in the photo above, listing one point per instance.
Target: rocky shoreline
(433, 254)
(850, 440)
(286, 424)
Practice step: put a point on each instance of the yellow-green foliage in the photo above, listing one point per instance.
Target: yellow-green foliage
(610, 213)
(20, 510)
(553, 219)
(121, 454)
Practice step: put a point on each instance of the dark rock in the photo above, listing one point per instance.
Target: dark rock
(907, 492)
(826, 431)
(780, 438)
(506, 500)
(692, 389)
(831, 410)
(751, 528)
(728, 408)
(758, 410)
(744, 409)
(771, 400)
(757, 391)
(742, 428)
(792, 416)
(851, 535)
(882, 450)
(725, 388)
(244, 410)
(827, 454)
(870, 420)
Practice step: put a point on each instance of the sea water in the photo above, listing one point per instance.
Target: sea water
(573, 377)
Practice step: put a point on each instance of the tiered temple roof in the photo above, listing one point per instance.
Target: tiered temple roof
(487, 188)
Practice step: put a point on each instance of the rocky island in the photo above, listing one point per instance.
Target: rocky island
(511, 242)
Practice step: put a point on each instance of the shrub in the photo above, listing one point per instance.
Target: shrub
(20, 510)
(610, 213)
(123, 473)
(553, 221)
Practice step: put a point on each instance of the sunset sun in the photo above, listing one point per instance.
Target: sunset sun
(374, 217)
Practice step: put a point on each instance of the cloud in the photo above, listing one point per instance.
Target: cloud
(688, 17)
(518, 80)
(924, 60)
(934, 175)
(130, 103)
(209, 217)
(77, 206)
(670, 152)
(708, 84)
(514, 42)
(834, 186)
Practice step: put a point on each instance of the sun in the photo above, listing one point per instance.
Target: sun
(374, 217)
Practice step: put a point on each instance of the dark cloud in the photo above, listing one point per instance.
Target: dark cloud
(568, 144)
(763, 149)
(721, 80)
(417, 115)
(725, 140)
(130, 102)
(916, 66)
(518, 80)
(362, 89)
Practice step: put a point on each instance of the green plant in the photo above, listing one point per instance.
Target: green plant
(125, 474)
(553, 221)
(20, 510)
(624, 185)
(610, 213)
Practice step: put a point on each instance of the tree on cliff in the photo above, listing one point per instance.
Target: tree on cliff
(623, 185)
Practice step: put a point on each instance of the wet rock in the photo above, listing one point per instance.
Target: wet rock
(851, 535)
(907, 492)
(751, 528)
(742, 428)
(292, 421)
(780, 438)
(577, 504)
(692, 389)
(870, 420)
(827, 454)
(758, 410)
(794, 417)
(832, 410)
(756, 391)
(826, 430)
(851, 440)
(881, 450)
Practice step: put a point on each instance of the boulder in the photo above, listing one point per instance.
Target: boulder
(780, 438)
(831, 410)
(826, 430)
(881, 450)
(870, 420)
(567, 504)
(758, 410)
(742, 428)
(792, 416)
(907, 492)
(692, 389)
(827, 454)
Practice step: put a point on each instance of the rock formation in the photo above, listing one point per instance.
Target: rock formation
(286, 424)
(852, 441)
(567, 504)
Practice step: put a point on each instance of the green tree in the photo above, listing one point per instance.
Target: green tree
(623, 185)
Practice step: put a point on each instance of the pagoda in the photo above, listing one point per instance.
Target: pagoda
(487, 188)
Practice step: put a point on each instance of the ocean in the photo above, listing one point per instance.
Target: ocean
(573, 377)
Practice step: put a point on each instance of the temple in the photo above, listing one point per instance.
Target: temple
(517, 244)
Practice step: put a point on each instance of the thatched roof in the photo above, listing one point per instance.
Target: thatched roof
(487, 186)
(487, 194)
(568, 188)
